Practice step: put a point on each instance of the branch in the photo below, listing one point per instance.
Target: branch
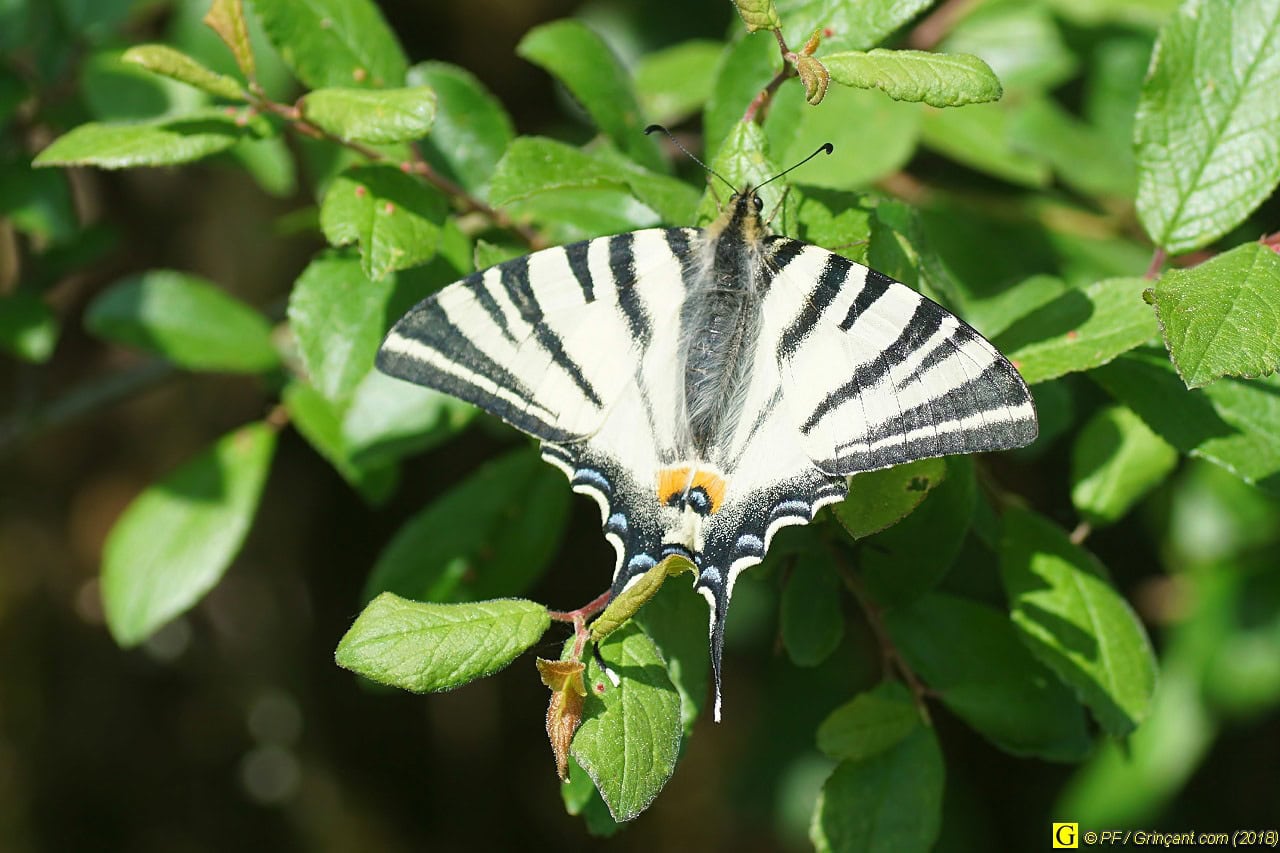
(83, 400)
(893, 661)
(466, 202)
(756, 109)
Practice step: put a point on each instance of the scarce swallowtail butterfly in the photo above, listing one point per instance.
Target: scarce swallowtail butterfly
(710, 386)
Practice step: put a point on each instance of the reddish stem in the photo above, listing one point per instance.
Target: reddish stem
(584, 612)
(1157, 261)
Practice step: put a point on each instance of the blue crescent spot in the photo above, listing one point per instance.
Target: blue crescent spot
(641, 563)
(592, 477)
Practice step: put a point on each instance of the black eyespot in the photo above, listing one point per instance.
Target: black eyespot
(759, 203)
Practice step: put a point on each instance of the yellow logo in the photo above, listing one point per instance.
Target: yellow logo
(1066, 835)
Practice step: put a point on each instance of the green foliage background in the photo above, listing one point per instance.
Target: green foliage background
(206, 230)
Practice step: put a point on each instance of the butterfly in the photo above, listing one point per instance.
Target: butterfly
(710, 386)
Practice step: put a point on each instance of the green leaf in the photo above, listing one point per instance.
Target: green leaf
(1083, 157)
(339, 317)
(870, 723)
(979, 137)
(674, 83)
(902, 563)
(1079, 330)
(745, 68)
(937, 79)
(533, 166)
(1115, 461)
(426, 648)
(226, 18)
(568, 215)
(587, 67)
(320, 422)
(1075, 622)
(890, 802)
(840, 221)
(395, 218)
(743, 160)
(190, 321)
(812, 616)
(1222, 317)
(1232, 423)
(372, 115)
(758, 14)
(334, 42)
(1207, 124)
(175, 540)
(28, 327)
(853, 26)
(162, 142)
(873, 135)
(1021, 43)
(879, 499)
(1135, 13)
(389, 419)
(676, 620)
(581, 799)
(164, 60)
(115, 90)
(472, 128)
(630, 735)
(38, 202)
(492, 534)
(972, 657)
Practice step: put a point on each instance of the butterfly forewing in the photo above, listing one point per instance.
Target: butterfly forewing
(878, 375)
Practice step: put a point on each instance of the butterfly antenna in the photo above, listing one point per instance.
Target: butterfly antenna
(826, 147)
(651, 128)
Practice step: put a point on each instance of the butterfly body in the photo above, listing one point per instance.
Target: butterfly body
(708, 387)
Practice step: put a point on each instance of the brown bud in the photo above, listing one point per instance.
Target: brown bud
(814, 76)
(564, 712)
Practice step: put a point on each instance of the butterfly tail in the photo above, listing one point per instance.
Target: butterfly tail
(713, 585)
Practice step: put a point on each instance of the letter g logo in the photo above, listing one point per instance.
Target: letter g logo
(1066, 835)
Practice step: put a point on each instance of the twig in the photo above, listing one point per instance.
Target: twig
(759, 104)
(1081, 533)
(893, 659)
(934, 28)
(83, 400)
(466, 202)
(586, 611)
(470, 204)
(1157, 261)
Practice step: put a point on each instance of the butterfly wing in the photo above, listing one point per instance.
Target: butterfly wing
(575, 345)
(877, 375)
(546, 341)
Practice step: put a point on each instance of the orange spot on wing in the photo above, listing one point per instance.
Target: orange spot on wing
(672, 482)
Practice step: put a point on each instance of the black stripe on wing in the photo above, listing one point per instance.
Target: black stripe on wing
(429, 326)
(514, 275)
(831, 281)
(924, 324)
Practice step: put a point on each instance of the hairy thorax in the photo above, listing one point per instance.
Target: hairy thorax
(718, 330)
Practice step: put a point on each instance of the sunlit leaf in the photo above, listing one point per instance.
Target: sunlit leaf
(173, 543)
(425, 648)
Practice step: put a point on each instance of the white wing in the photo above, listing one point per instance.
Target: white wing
(547, 341)
(874, 374)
